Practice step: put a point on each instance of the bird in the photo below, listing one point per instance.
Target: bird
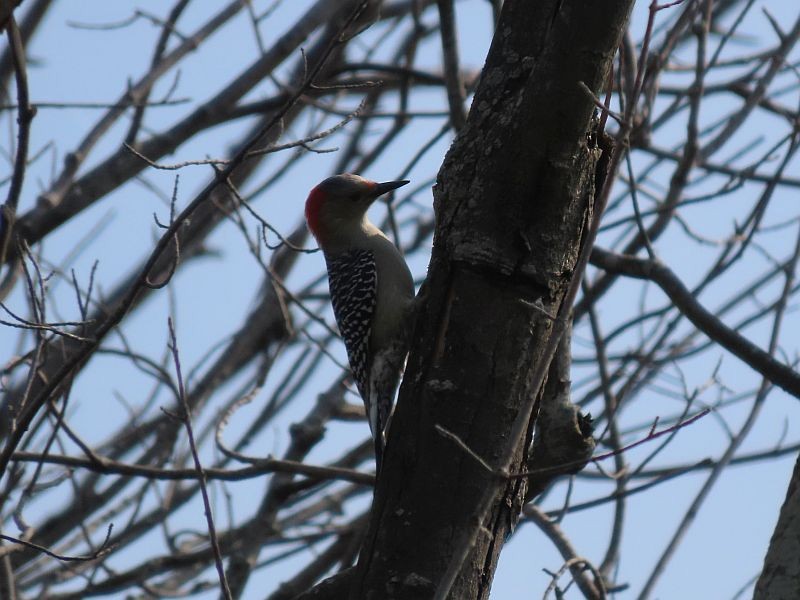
(371, 289)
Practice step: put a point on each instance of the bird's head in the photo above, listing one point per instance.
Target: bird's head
(341, 201)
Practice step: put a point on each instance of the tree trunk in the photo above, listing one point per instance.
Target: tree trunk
(512, 201)
(780, 579)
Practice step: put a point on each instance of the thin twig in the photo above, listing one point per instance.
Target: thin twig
(101, 551)
(25, 114)
(252, 153)
(452, 76)
(592, 588)
(201, 475)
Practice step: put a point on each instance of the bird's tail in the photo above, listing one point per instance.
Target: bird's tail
(387, 367)
(379, 409)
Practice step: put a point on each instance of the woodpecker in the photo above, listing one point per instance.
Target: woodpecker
(371, 290)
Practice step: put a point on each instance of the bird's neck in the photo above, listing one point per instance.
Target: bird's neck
(347, 234)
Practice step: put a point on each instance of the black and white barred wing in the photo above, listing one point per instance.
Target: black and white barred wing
(353, 281)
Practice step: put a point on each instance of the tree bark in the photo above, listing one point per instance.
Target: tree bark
(512, 202)
(780, 579)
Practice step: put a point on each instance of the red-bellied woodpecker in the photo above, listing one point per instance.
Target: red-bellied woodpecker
(371, 289)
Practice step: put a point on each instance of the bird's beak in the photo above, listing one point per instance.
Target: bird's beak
(387, 186)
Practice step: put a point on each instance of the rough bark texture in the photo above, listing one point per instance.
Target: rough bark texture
(512, 202)
(780, 579)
